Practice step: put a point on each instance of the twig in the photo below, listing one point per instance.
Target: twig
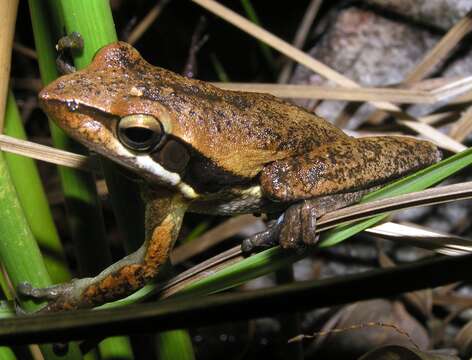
(353, 327)
(24, 50)
(300, 36)
(198, 40)
(147, 21)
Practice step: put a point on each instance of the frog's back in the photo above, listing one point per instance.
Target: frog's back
(242, 130)
(238, 132)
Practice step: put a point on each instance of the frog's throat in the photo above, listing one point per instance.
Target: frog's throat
(165, 176)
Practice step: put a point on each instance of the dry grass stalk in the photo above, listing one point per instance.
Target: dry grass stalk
(438, 117)
(463, 127)
(212, 237)
(434, 135)
(437, 195)
(46, 153)
(441, 49)
(445, 244)
(7, 31)
(433, 57)
(446, 91)
(311, 63)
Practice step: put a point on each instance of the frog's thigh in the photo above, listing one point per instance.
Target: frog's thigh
(346, 166)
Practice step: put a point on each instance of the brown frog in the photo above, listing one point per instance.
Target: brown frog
(201, 149)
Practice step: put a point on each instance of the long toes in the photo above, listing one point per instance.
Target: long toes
(261, 240)
(49, 293)
(291, 230)
(308, 224)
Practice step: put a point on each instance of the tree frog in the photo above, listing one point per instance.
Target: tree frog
(201, 149)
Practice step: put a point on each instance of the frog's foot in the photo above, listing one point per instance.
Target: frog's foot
(298, 226)
(66, 46)
(60, 297)
(295, 228)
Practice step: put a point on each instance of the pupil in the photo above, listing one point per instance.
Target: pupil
(139, 135)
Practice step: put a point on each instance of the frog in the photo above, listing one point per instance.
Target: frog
(197, 148)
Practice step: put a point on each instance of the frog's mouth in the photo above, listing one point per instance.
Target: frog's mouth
(98, 135)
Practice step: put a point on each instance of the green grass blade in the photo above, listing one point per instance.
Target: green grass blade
(219, 68)
(173, 345)
(83, 208)
(19, 252)
(27, 182)
(6, 353)
(84, 214)
(265, 50)
(115, 347)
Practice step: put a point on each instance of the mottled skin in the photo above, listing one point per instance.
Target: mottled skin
(224, 152)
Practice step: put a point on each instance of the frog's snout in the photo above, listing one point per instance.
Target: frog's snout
(43, 97)
(46, 99)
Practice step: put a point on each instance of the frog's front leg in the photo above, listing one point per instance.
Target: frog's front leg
(331, 177)
(164, 214)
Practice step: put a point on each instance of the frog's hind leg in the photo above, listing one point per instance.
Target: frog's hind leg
(296, 227)
(345, 166)
(164, 214)
(331, 177)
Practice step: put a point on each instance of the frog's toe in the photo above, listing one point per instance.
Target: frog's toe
(291, 230)
(48, 293)
(294, 229)
(298, 226)
(60, 297)
(263, 239)
(308, 216)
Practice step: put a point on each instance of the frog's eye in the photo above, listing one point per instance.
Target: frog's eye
(140, 132)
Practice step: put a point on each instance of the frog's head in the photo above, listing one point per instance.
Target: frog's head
(108, 108)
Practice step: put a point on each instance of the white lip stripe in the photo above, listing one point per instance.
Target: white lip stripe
(144, 162)
(167, 177)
